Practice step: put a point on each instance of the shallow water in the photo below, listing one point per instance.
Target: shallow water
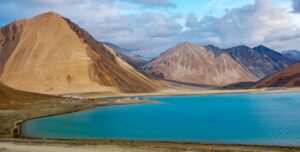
(268, 119)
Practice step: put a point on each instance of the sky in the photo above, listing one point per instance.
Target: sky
(150, 27)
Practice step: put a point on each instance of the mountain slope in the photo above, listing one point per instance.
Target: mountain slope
(50, 54)
(280, 61)
(260, 61)
(215, 50)
(293, 55)
(288, 77)
(133, 59)
(15, 99)
(191, 63)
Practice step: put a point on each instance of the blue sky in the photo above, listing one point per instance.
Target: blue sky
(208, 7)
(150, 27)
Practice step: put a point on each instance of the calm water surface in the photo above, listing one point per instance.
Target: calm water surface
(272, 119)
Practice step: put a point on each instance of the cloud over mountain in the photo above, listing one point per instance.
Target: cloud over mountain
(153, 26)
(141, 30)
(260, 23)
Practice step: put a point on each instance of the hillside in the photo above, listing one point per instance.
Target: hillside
(15, 99)
(289, 77)
(50, 54)
(191, 63)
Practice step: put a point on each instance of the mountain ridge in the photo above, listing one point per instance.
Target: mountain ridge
(259, 61)
(274, 55)
(293, 55)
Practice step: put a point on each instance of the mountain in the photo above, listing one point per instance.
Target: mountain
(293, 55)
(281, 60)
(50, 54)
(215, 50)
(136, 61)
(192, 63)
(259, 61)
(288, 77)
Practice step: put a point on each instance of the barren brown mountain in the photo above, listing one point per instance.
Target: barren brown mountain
(191, 63)
(50, 54)
(288, 77)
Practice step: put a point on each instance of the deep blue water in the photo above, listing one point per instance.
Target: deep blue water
(272, 119)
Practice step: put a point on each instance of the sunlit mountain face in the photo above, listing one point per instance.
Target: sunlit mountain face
(50, 54)
(150, 27)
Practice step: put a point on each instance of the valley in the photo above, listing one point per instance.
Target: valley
(51, 66)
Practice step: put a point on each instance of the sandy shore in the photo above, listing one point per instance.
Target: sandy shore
(23, 147)
(197, 91)
(9, 119)
(38, 145)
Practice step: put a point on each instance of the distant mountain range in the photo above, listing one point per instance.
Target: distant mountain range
(293, 55)
(260, 61)
(211, 65)
(50, 54)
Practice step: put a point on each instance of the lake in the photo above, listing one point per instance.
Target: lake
(263, 119)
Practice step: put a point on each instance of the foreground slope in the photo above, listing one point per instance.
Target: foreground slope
(50, 54)
(15, 99)
(289, 77)
(191, 63)
(259, 61)
(15, 104)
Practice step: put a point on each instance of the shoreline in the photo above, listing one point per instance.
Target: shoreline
(87, 141)
(166, 145)
(199, 92)
(133, 143)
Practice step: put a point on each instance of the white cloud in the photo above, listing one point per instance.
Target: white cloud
(107, 20)
(143, 32)
(261, 23)
(128, 24)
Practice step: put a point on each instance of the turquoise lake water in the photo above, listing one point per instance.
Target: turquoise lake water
(264, 119)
